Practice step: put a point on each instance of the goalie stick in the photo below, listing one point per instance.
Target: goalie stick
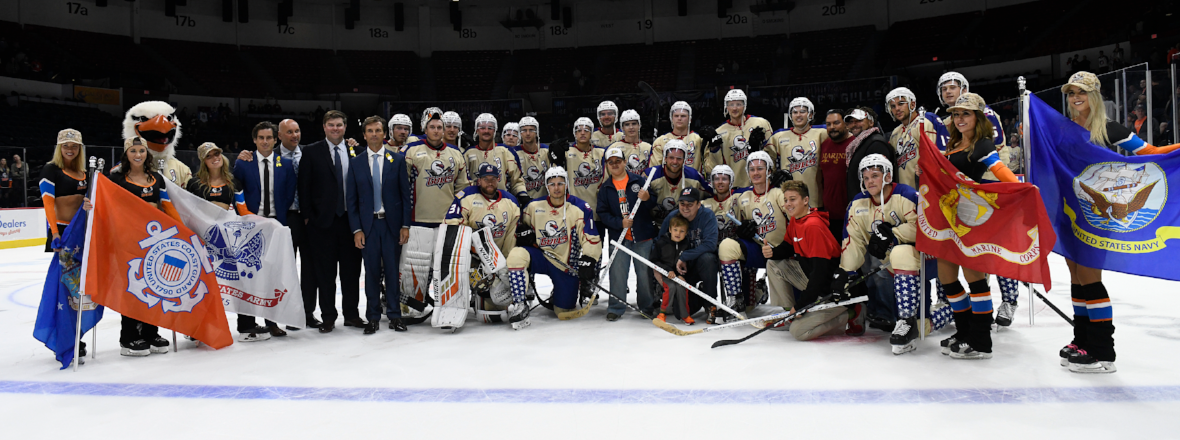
(680, 281)
(862, 279)
(794, 272)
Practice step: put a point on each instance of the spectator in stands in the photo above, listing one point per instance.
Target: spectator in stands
(1142, 124)
(1084, 65)
(1165, 135)
(1172, 51)
(20, 173)
(1118, 57)
(1103, 62)
(5, 183)
(1072, 64)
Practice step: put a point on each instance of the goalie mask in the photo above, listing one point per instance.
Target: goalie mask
(906, 96)
(430, 114)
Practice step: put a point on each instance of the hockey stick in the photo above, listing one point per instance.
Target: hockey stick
(631, 216)
(608, 292)
(574, 314)
(754, 321)
(862, 279)
(794, 272)
(655, 97)
(679, 281)
(1047, 302)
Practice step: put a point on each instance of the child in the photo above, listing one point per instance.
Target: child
(666, 252)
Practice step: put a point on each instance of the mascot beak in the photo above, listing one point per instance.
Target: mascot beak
(158, 132)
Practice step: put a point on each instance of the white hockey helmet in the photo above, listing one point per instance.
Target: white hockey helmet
(529, 121)
(907, 97)
(511, 126)
(556, 172)
(583, 122)
(805, 103)
(873, 161)
(762, 156)
(734, 95)
(400, 119)
(952, 76)
(429, 114)
(676, 144)
(680, 105)
(452, 119)
(722, 169)
(484, 118)
(604, 106)
(629, 115)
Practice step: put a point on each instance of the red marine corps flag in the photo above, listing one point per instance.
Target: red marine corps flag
(997, 228)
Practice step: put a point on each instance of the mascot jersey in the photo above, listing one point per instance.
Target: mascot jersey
(900, 209)
(905, 142)
(567, 231)
(735, 149)
(439, 175)
(767, 211)
(637, 155)
(504, 159)
(666, 191)
(799, 154)
(473, 209)
(585, 172)
(721, 206)
(532, 170)
(602, 140)
(696, 152)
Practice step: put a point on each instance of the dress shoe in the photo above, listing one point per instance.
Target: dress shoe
(312, 322)
(372, 327)
(357, 322)
(327, 327)
(275, 330)
(397, 325)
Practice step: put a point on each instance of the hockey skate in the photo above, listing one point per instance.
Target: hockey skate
(905, 333)
(137, 348)
(963, 350)
(1004, 314)
(1066, 352)
(1082, 362)
(518, 315)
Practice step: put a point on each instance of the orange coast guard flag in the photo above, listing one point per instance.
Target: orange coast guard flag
(996, 228)
(149, 266)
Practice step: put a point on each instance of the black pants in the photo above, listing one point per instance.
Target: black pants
(247, 323)
(307, 282)
(133, 330)
(334, 248)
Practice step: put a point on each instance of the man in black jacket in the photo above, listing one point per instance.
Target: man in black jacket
(868, 139)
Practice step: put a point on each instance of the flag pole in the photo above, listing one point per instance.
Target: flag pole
(81, 287)
(923, 296)
(1021, 84)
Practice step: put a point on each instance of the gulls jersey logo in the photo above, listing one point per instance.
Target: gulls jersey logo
(169, 275)
(587, 174)
(740, 148)
(552, 236)
(498, 228)
(765, 221)
(801, 159)
(440, 174)
(532, 177)
(236, 249)
(635, 164)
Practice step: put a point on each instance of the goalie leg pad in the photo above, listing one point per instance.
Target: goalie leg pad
(491, 259)
(452, 264)
(415, 265)
(501, 293)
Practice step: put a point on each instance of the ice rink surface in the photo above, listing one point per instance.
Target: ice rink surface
(590, 378)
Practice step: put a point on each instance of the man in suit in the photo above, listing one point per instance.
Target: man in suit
(378, 187)
(322, 171)
(269, 188)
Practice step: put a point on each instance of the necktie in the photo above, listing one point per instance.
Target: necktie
(266, 187)
(376, 183)
(339, 182)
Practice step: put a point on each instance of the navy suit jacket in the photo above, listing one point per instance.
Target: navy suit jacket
(284, 190)
(395, 193)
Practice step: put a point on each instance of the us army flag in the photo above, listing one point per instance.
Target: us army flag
(252, 256)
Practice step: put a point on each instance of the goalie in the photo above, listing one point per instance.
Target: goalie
(493, 215)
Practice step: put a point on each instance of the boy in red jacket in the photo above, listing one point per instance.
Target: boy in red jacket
(809, 242)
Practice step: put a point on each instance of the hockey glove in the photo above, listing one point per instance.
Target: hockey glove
(780, 177)
(658, 214)
(881, 240)
(464, 141)
(840, 285)
(525, 235)
(747, 230)
(557, 151)
(523, 200)
(728, 231)
(707, 134)
(587, 269)
(757, 138)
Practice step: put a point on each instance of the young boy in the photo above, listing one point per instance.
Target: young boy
(667, 250)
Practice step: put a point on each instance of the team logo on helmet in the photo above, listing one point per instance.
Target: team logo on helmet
(551, 236)
(587, 174)
(801, 159)
(497, 228)
(440, 174)
(170, 274)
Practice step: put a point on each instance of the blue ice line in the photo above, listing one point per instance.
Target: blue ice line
(1123, 394)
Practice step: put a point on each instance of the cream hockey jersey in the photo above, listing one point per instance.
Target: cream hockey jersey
(438, 175)
(667, 191)
(567, 231)
(500, 215)
(532, 170)
(696, 150)
(905, 142)
(767, 210)
(504, 159)
(900, 210)
(603, 140)
(585, 170)
(637, 156)
(799, 154)
(176, 171)
(722, 206)
(735, 149)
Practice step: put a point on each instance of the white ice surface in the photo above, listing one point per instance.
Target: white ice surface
(590, 378)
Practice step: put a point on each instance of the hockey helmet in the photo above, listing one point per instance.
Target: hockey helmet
(952, 76)
(629, 115)
(511, 126)
(400, 119)
(556, 172)
(452, 119)
(583, 122)
(680, 105)
(723, 170)
(906, 95)
(762, 156)
(676, 144)
(484, 118)
(604, 106)
(805, 103)
(874, 161)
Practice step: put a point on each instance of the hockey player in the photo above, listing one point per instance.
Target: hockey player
(681, 116)
(724, 200)
(763, 220)
(557, 238)
(510, 136)
(608, 134)
(903, 107)
(798, 148)
(453, 131)
(533, 156)
(808, 242)
(669, 180)
(741, 135)
(584, 159)
(882, 222)
(487, 151)
(636, 152)
(399, 134)
(485, 206)
(439, 174)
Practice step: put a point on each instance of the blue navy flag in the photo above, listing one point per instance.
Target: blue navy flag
(57, 315)
(1109, 211)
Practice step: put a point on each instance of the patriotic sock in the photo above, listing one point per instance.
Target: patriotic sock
(1009, 289)
(905, 285)
(731, 278)
(1100, 333)
(519, 282)
(1081, 316)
